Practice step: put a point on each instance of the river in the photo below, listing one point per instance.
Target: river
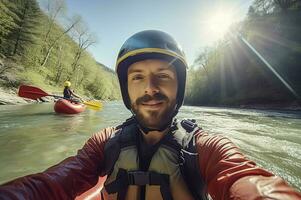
(33, 137)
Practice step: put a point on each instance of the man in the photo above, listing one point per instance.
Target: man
(152, 155)
(68, 93)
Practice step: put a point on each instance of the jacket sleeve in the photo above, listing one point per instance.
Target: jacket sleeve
(230, 175)
(65, 180)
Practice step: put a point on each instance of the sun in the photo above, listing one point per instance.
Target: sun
(220, 23)
(217, 24)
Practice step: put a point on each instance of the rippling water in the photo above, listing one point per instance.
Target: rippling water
(33, 137)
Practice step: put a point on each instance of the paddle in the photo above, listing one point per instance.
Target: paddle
(34, 93)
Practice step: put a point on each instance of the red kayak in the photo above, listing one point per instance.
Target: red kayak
(67, 107)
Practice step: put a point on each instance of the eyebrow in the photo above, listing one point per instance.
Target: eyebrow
(134, 70)
(162, 69)
(139, 70)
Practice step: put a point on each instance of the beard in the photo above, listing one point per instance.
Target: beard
(154, 119)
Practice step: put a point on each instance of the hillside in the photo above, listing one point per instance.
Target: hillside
(45, 48)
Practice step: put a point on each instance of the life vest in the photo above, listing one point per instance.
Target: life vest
(67, 93)
(173, 172)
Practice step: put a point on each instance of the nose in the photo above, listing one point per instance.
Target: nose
(151, 87)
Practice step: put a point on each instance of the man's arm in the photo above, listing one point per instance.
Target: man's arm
(230, 175)
(75, 95)
(66, 180)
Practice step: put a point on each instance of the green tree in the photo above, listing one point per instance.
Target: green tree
(57, 39)
(284, 5)
(8, 23)
(26, 30)
(84, 40)
(263, 7)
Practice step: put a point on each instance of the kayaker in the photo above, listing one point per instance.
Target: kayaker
(152, 155)
(69, 94)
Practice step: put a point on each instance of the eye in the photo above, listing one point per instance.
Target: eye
(137, 77)
(163, 76)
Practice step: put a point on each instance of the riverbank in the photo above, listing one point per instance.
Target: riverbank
(294, 106)
(288, 106)
(10, 97)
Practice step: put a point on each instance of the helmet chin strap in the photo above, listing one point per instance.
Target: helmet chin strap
(146, 130)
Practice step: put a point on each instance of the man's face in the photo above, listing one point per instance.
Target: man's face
(152, 88)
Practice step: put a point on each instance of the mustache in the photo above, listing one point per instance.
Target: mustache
(147, 97)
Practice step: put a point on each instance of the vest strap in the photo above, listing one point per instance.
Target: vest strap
(139, 178)
(120, 183)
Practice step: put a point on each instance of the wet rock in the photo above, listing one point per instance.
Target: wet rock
(10, 97)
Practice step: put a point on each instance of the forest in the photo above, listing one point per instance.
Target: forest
(256, 63)
(41, 45)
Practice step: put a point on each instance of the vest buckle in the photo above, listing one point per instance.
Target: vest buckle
(188, 124)
(138, 178)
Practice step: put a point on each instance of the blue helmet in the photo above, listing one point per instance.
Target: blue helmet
(151, 44)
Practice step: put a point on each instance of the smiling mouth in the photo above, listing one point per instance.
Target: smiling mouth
(152, 104)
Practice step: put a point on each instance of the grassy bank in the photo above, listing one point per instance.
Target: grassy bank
(43, 47)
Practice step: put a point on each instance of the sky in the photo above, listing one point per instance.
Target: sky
(113, 21)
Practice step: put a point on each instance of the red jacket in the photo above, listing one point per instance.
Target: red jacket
(227, 173)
